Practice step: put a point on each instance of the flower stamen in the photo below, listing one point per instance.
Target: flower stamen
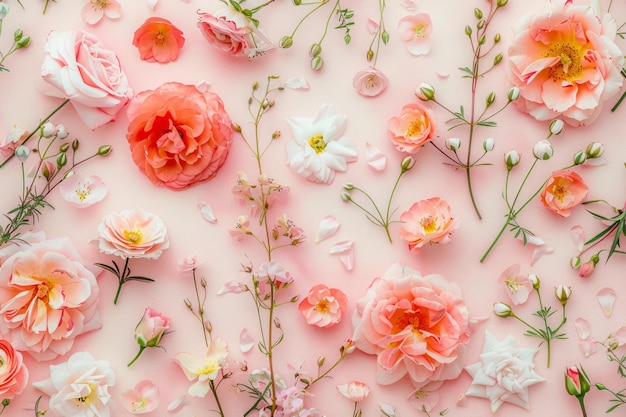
(317, 143)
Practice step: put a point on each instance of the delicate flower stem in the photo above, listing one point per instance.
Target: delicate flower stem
(200, 308)
(581, 401)
(141, 349)
(122, 280)
(493, 244)
(217, 398)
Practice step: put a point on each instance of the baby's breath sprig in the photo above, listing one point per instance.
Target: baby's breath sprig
(20, 41)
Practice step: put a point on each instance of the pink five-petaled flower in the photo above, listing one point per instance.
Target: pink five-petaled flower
(13, 371)
(354, 390)
(565, 62)
(413, 128)
(519, 286)
(323, 306)
(144, 398)
(158, 40)
(83, 192)
(204, 370)
(415, 31)
(150, 330)
(416, 325)
(563, 191)
(427, 222)
(94, 10)
(189, 263)
(370, 82)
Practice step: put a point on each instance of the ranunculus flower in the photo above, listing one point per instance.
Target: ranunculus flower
(144, 398)
(133, 233)
(232, 33)
(94, 10)
(415, 31)
(158, 40)
(179, 135)
(13, 372)
(563, 191)
(565, 62)
(79, 387)
(78, 67)
(427, 222)
(83, 192)
(323, 306)
(416, 325)
(150, 330)
(204, 370)
(370, 82)
(48, 296)
(413, 128)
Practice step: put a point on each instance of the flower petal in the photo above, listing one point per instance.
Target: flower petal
(207, 212)
(375, 157)
(246, 342)
(345, 250)
(297, 83)
(606, 298)
(231, 287)
(328, 227)
(152, 4)
(578, 237)
(582, 328)
(178, 404)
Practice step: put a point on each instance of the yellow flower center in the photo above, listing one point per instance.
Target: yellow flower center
(99, 4)
(317, 143)
(512, 283)
(416, 128)
(134, 236)
(82, 191)
(43, 290)
(322, 306)
(159, 40)
(569, 66)
(560, 192)
(86, 401)
(210, 366)
(429, 224)
(419, 30)
(138, 405)
(401, 319)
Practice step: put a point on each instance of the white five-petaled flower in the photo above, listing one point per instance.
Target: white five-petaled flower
(203, 370)
(319, 149)
(83, 192)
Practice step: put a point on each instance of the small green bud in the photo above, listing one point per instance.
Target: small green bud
(480, 25)
(104, 150)
(407, 163)
(320, 361)
(385, 37)
(370, 55)
(255, 86)
(478, 13)
(297, 2)
(23, 43)
(513, 93)
(496, 38)
(236, 127)
(502, 310)
(425, 92)
(468, 30)
(345, 196)
(61, 160)
(285, 42)
(17, 35)
(75, 145)
(315, 50)
(348, 186)
(501, 3)
(64, 147)
(580, 158)
(317, 63)
(594, 150)
(498, 58)
(491, 97)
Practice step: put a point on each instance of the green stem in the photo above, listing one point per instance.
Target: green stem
(122, 280)
(581, 401)
(506, 223)
(141, 349)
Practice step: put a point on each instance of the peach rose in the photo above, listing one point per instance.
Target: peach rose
(158, 40)
(412, 129)
(563, 191)
(179, 135)
(565, 62)
(48, 296)
(416, 325)
(13, 372)
(80, 68)
(427, 222)
(323, 306)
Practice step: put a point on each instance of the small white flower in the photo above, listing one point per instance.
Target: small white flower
(83, 192)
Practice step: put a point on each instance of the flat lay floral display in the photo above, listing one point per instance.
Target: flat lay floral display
(327, 208)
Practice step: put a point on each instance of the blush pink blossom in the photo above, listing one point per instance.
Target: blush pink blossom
(354, 390)
(203, 371)
(563, 191)
(518, 286)
(83, 192)
(370, 82)
(416, 325)
(413, 128)
(144, 398)
(151, 328)
(94, 10)
(13, 371)
(415, 31)
(323, 306)
(427, 222)
(565, 62)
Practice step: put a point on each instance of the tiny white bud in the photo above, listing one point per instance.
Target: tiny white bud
(511, 158)
(489, 144)
(580, 158)
(62, 133)
(562, 293)
(453, 144)
(48, 130)
(4, 10)
(425, 92)
(502, 310)
(22, 153)
(513, 93)
(556, 126)
(543, 150)
(594, 150)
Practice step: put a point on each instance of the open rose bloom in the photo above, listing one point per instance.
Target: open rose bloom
(563, 191)
(565, 62)
(13, 372)
(413, 128)
(427, 222)
(323, 306)
(179, 134)
(416, 325)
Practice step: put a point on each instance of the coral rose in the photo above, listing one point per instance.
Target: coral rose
(416, 325)
(78, 67)
(179, 135)
(412, 129)
(565, 62)
(427, 221)
(563, 191)
(48, 296)
(13, 372)
(158, 40)
(323, 306)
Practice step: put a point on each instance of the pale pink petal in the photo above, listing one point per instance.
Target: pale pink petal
(539, 252)
(588, 347)
(246, 342)
(204, 86)
(578, 237)
(375, 157)
(178, 404)
(91, 15)
(113, 10)
(328, 227)
(461, 400)
(442, 74)
(582, 328)
(152, 4)
(207, 212)
(596, 161)
(606, 298)
(297, 83)
(345, 250)
(372, 26)
(231, 287)
(410, 5)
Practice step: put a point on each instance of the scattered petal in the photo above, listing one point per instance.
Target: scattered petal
(461, 400)
(582, 328)
(606, 298)
(588, 347)
(375, 157)
(178, 404)
(152, 4)
(372, 26)
(596, 161)
(207, 212)
(231, 287)
(388, 410)
(409, 5)
(345, 250)
(328, 227)
(297, 83)
(578, 237)
(540, 247)
(246, 342)
(204, 86)
(442, 74)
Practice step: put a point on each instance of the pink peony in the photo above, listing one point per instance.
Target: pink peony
(416, 325)
(413, 128)
(48, 296)
(565, 62)
(323, 306)
(13, 372)
(427, 222)
(563, 191)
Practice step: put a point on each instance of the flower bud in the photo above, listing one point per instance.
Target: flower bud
(563, 293)
(317, 63)
(285, 42)
(556, 126)
(489, 144)
(4, 10)
(501, 3)
(348, 186)
(104, 150)
(511, 158)
(513, 93)
(23, 42)
(502, 310)
(468, 30)
(385, 37)
(48, 130)
(48, 169)
(453, 144)
(491, 97)
(575, 262)
(62, 133)
(480, 25)
(64, 147)
(22, 153)
(478, 13)
(75, 145)
(588, 268)
(425, 92)
(580, 158)
(17, 35)
(594, 150)
(534, 279)
(345, 196)
(315, 50)
(498, 58)
(61, 160)
(496, 38)
(406, 164)
(297, 2)
(543, 150)
(576, 381)
(370, 55)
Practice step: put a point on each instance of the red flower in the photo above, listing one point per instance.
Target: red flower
(158, 40)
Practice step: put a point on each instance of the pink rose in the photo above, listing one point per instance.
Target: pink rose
(179, 135)
(80, 68)
(323, 306)
(565, 62)
(370, 82)
(427, 222)
(563, 191)
(48, 296)
(413, 128)
(416, 325)
(133, 234)
(151, 328)
(13, 372)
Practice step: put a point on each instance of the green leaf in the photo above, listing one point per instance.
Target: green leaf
(487, 124)
(467, 70)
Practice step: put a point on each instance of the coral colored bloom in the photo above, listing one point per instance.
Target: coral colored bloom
(13, 372)
(48, 296)
(158, 40)
(323, 306)
(355, 391)
(83, 192)
(412, 128)
(415, 31)
(132, 234)
(565, 62)
(179, 135)
(427, 222)
(416, 325)
(94, 10)
(563, 191)
(78, 67)
(370, 82)
(204, 370)
(519, 286)
(144, 398)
